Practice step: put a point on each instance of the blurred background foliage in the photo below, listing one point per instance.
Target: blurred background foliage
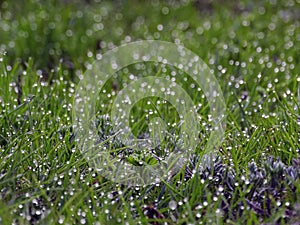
(72, 31)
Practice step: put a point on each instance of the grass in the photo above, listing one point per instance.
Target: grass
(254, 50)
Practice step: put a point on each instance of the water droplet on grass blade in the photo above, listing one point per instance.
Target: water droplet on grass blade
(172, 205)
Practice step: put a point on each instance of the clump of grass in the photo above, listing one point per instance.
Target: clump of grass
(266, 190)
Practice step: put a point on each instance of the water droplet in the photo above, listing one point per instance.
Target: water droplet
(61, 219)
(278, 203)
(287, 204)
(172, 205)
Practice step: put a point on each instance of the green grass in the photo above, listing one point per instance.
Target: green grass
(254, 50)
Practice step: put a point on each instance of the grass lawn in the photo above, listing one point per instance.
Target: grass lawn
(253, 49)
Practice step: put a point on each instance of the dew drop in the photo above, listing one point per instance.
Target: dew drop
(172, 205)
(61, 220)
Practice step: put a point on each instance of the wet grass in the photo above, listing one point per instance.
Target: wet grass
(254, 50)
